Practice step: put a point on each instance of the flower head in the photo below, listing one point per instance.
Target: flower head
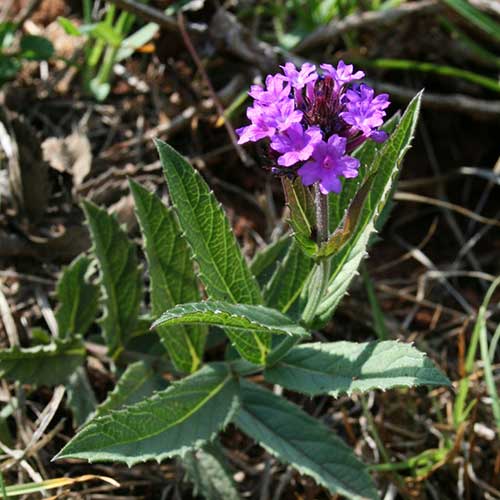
(342, 74)
(296, 144)
(329, 163)
(299, 79)
(276, 90)
(312, 121)
(364, 112)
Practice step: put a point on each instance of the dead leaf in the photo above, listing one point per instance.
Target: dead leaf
(72, 155)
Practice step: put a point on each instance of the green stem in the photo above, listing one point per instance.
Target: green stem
(321, 271)
(317, 284)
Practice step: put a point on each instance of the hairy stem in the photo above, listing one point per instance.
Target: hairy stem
(321, 272)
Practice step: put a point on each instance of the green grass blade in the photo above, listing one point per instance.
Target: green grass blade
(476, 17)
(437, 69)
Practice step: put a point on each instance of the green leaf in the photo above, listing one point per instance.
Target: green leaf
(265, 261)
(384, 168)
(295, 437)
(187, 414)
(120, 276)
(42, 365)
(78, 299)
(349, 223)
(69, 26)
(103, 31)
(288, 279)
(172, 279)
(239, 317)
(300, 201)
(222, 267)
(138, 382)
(141, 37)
(206, 469)
(348, 367)
(366, 153)
(81, 397)
(36, 48)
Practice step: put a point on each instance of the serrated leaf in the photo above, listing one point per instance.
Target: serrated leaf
(384, 168)
(138, 382)
(120, 276)
(187, 414)
(78, 299)
(207, 471)
(42, 365)
(238, 317)
(172, 279)
(300, 201)
(288, 279)
(349, 223)
(295, 437)
(265, 261)
(347, 367)
(81, 398)
(222, 267)
(366, 153)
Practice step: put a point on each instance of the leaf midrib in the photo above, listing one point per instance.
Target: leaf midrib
(188, 414)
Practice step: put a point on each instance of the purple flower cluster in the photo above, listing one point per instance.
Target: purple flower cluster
(314, 121)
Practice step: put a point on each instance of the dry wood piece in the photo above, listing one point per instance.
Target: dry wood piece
(229, 36)
(153, 15)
(479, 108)
(371, 19)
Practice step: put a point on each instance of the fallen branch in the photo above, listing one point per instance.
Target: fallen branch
(153, 15)
(370, 19)
(453, 102)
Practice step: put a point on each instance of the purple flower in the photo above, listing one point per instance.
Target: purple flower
(312, 123)
(329, 163)
(299, 79)
(296, 144)
(267, 120)
(342, 74)
(276, 90)
(364, 112)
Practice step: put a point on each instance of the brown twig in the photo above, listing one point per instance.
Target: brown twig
(153, 15)
(220, 109)
(371, 19)
(480, 108)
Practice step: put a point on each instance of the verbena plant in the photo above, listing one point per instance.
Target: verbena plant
(322, 131)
